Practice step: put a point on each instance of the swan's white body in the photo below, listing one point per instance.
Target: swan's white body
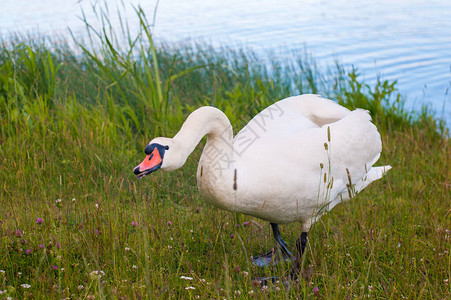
(277, 167)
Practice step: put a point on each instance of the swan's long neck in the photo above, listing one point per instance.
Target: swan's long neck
(216, 165)
(215, 125)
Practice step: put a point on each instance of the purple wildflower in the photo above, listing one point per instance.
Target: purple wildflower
(134, 223)
(18, 232)
(58, 245)
(39, 221)
(55, 267)
(316, 290)
(28, 251)
(169, 223)
(41, 246)
(245, 224)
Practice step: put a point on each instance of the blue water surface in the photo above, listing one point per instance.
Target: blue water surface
(404, 40)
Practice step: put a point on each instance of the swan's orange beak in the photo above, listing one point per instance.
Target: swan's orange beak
(150, 164)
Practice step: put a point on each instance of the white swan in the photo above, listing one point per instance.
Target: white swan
(293, 161)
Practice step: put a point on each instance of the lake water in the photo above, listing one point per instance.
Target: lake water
(406, 40)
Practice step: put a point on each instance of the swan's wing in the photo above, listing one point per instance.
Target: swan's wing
(289, 116)
(283, 168)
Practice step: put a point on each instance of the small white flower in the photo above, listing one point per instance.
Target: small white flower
(2, 271)
(25, 285)
(251, 292)
(186, 277)
(1, 292)
(97, 205)
(135, 267)
(80, 287)
(58, 200)
(127, 249)
(202, 280)
(245, 273)
(370, 287)
(73, 199)
(237, 292)
(96, 274)
(190, 288)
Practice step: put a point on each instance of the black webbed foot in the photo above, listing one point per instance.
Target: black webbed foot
(272, 256)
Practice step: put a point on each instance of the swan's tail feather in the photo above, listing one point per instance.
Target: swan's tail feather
(377, 172)
(374, 174)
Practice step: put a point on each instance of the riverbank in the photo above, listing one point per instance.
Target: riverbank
(76, 223)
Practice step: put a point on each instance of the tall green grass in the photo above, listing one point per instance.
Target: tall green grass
(74, 122)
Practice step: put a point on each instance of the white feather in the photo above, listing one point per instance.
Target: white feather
(277, 167)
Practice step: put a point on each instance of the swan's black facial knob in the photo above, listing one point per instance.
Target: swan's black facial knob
(149, 149)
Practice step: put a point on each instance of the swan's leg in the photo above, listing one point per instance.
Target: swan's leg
(300, 245)
(265, 259)
(286, 254)
(295, 270)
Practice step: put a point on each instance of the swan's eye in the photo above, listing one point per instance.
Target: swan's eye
(166, 147)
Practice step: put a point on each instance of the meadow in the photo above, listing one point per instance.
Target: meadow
(75, 223)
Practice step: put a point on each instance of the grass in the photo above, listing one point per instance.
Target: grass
(74, 122)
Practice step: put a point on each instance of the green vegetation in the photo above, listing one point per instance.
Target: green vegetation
(74, 221)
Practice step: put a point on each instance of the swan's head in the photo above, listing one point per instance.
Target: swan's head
(161, 153)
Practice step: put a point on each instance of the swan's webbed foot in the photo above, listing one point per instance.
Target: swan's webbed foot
(270, 257)
(266, 259)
